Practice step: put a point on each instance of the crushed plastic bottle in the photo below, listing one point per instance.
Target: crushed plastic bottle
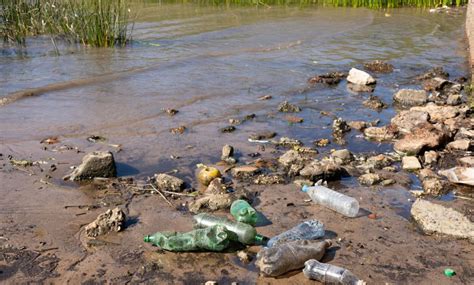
(333, 200)
(215, 238)
(243, 212)
(330, 274)
(308, 230)
(282, 258)
(238, 231)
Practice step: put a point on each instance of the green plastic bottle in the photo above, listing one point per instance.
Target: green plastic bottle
(215, 238)
(238, 231)
(243, 212)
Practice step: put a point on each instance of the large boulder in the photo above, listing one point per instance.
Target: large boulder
(405, 121)
(434, 218)
(95, 164)
(438, 113)
(411, 97)
(360, 77)
(422, 138)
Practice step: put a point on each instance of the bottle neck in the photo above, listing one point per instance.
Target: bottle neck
(261, 240)
(148, 238)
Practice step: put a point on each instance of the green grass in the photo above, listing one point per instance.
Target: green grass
(100, 23)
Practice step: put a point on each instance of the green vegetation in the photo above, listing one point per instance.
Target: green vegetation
(101, 23)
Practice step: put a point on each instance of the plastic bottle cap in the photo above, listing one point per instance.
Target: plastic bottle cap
(305, 188)
(449, 272)
(259, 239)
(146, 239)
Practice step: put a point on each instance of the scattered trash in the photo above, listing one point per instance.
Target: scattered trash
(330, 274)
(279, 259)
(112, 220)
(243, 212)
(214, 238)
(333, 200)
(207, 173)
(308, 230)
(460, 175)
(241, 232)
(449, 272)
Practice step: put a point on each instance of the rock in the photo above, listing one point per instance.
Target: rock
(360, 88)
(244, 171)
(467, 161)
(291, 157)
(438, 113)
(294, 119)
(464, 133)
(289, 142)
(431, 157)
(405, 121)
(228, 154)
(460, 175)
(360, 77)
(427, 173)
(95, 164)
(244, 256)
(434, 186)
(374, 102)
(432, 73)
(263, 135)
(340, 126)
(436, 84)
(460, 145)
(434, 218)
(369, 179)
(379, 66)
(210, 282)
(111, 220)
(410, 163)
(411, 97)
(288, 108)
(423, 137)
(326, 170)
(303, 182)
(228, 129)
(342, 156)
(268, 179)
(454, 99)
(331, 78)
(358, 125)
(167, 182)
(377, 162)
(388, 182)
(214, 202)
(178, 130)
(381, 133)
(216, 186)
(322, 142)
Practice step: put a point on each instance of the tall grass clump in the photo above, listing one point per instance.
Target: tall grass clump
(100, 23)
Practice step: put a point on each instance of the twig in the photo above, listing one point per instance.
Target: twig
(161, 194)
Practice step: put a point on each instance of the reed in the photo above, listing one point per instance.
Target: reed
(100, 23)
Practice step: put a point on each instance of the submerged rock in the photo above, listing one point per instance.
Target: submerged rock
(289, 142)
(265, 135)
(434, 186)
(370, 179)
(411, 97)
(360, 77)
(381, 133)
(358, 125)
(287, 107)
(340, 126)
(434, 218)
(167, 182)
(95, 164)
(112, 220)
(379, 66)
(331, 78)
(375, 103)
(342, 156)
(433, 72)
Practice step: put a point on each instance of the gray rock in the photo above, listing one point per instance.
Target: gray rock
(436, 84)
(228, 154)
(342, 156)
(374, 102)
(112, 220)
(438, 114)
(360, 88)
(431, 157)
(460, 175)
(360, 77)
(369, 179)
(291, 157)
(405, 121)
(424, 137)
(381, 133)
(454, 99)
(265, 135)
(325, 169)
(95, 164)
(288, 107)
(464, 133)
(434, 218)
(411, 97)
(462, 145)
(410, 163)
(377, 162)
(169, 183)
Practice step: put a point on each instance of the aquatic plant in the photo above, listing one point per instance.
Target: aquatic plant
(101, 23)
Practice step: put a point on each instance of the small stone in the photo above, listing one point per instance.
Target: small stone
(423, 137)
(464, 133)
(378, 161)
(210, 283)
(303, 182)
(431, 157)
(436, 84)
(263, 135)
(427, 173)
(228, 129)
(369, 179)
(111, 220)
(265, 97)
(268, 179)
(375, 103)
(331, 78)
(358, 125)
(289, 142)
(228, 154)
(342, 156)
(379, 66)
(390, 168)
(411, 97)
(294, 119)
(178, 130)
(381, 133)
(340, 126)
(291, 157)
(288, 107)
(169, 183)
(432, 73)
(360, 77)
(245, 171)
(360, 88)
(388, 182)
(410, 163)
(325, 169)
(406, 121)
(171, 112)
(244, 256)
(95, 164)
(434, 186)
(372, 216)
(460, 145)
(322, 142)
(435, 218)
(454, 99)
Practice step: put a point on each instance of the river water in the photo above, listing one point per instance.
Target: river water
(212, 63)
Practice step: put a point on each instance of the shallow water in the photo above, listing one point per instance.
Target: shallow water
(212, 63)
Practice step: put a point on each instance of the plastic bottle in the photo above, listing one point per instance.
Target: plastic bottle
(243, 212)
(214, 238)
(330, 274)
(333, 200)
(308, 230)
(282, 258)
(241, 232)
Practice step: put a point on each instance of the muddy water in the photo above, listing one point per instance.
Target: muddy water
(212, 64)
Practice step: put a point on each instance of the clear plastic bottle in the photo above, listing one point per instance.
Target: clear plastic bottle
(308, 230)
(282, 258)
(329, 274)
(243, 212)
(333, 200)
(241, 232)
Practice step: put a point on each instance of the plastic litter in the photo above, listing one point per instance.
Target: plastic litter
(207, 173)
(282, 258)
(308, 230)
(333, 200)
(449, 272)
(330, 274)
(243, 212)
